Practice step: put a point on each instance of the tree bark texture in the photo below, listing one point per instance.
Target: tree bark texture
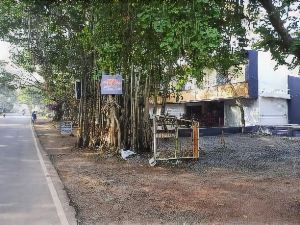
(288, 44)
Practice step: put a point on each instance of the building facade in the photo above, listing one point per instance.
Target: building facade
(268, 96)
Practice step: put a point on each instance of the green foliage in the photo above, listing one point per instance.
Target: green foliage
(278, 28)
(31, 96)
(7, 79)
(7, 94)
(151, 43)
(57, 36)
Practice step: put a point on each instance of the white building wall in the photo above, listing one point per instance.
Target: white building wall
(271, 82)
(273, 111)
(171, 109)
(251, 108)
(232, 113)
(151, 108)
(272, 90)
(175, 109)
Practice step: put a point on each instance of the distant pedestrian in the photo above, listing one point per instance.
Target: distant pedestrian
(33, 116)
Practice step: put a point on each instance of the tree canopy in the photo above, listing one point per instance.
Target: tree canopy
(145, 41)
(277, 23)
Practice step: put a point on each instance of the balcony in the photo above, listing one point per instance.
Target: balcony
(214, 93)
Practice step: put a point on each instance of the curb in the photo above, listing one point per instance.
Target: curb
(69, 211)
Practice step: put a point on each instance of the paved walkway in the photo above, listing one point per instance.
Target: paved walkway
(27, 194)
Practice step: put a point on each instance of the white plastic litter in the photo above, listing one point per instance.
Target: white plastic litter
(152, 162)
(264, 131)
(127, 153)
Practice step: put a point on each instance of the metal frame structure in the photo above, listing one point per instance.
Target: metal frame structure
(176, 124)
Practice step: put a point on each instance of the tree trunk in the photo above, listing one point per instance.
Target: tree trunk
(287, 42)
(240, 105)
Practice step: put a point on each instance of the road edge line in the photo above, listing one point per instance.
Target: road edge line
(58, 205)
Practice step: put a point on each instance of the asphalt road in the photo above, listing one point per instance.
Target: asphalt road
(25, 194)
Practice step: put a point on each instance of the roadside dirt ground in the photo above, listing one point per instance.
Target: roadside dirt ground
(255, 182)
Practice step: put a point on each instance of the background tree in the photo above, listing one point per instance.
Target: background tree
(277, 23)
(143, 41)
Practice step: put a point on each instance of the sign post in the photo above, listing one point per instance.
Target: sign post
(78, 89)
(111, 85)
(66, 127)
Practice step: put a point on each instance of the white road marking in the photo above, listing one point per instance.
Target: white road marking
(59, 209)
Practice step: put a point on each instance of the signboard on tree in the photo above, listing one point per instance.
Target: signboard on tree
(66, 127)
(111, 85)
(78, 89)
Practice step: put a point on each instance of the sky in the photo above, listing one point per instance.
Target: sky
(4, 50)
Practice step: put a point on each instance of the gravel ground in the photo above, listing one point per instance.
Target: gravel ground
(250, 180)
(166, 147)
(275, 155)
